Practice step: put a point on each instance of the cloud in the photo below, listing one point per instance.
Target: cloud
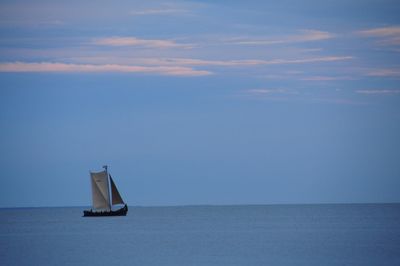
(309, 60)
(385, 72)
(270, 94)
(290, 95)
(133, 41)
(341, 101)
(378, 92)
(269, 91)
(71, 68)
(32, 23)
(326, 78)
(233, 63)
(381, 32)
(163, 66)
(201, 62)
(158, 11)
(305, 36)
(193, 62)
(387, 35)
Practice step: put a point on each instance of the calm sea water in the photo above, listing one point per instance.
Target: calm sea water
(360, 234)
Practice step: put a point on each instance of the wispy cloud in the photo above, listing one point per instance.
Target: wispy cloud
(291, 95)
(160, 66)
(78, 68)
(309, 60)
(326, 78)
(153, 8)
(380, 32)
(387, 35)
(270, 94)
(378, 92)
(31, 23)
(158, 11)
(233, 63)
(270, 91)
(385, 72)
(341, 101)
(133, 41)
(304, 36)
(195, 62)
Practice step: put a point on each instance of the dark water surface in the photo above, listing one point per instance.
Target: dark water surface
(348, 234)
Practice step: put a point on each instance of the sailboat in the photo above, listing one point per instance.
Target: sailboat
(105, 196)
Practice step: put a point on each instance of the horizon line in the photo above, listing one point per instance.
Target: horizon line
(210, 205)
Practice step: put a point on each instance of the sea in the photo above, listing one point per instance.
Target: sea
(326, 234)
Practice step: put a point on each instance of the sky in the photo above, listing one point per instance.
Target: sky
(200, 102)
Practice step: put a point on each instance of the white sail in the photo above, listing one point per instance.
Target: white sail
(100, 188)
(116, 197)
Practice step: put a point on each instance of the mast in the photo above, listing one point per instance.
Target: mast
(109, 187)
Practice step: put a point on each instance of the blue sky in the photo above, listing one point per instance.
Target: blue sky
(208, 102)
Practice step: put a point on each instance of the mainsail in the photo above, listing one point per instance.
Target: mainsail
(100, 188)
(116, 197)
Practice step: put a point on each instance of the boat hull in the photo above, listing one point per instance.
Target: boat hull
(120, 212)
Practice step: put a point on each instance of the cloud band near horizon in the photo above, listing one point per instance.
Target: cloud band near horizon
(74, 68)
(133, 41)
(166, 66)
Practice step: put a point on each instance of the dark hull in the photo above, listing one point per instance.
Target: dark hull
(121, 212)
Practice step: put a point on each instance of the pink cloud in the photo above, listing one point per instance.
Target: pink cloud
(304, 36)
(379, 32)
(310, 60)
(386, 72)
(159, 11)
(163, 66)
(378, 92)
(269, 91)
(133, 41)
(325, 78)
(232, 63)
(62, 67)
(387, 35)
